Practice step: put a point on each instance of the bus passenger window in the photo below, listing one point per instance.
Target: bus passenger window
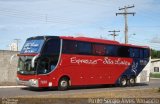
(123, 51)
(52, 47)
(131, 52)
(111, 50)
(84, 48)
(146, 53)
(136, 51)
(98, 49)
(141, 53)
(69, 46)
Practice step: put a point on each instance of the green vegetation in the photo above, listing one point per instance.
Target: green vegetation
(155, 75)
(155, 54)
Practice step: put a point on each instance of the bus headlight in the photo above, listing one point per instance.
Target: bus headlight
(33, 82)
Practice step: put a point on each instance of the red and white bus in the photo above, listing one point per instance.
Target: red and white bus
(61, 61)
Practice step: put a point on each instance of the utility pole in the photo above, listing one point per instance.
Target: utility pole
(125, 13)
(17, 42)
(114, 34)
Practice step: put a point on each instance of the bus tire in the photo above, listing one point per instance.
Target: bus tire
(132, 81)
(123, 81)
(63, 84)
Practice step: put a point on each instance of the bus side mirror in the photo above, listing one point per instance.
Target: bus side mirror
(33, 61)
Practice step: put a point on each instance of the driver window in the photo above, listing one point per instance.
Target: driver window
(53, 64)
(43, 66)
(46, 65)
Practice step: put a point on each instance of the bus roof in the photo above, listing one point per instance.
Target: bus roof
(88, 39)
(103, 41)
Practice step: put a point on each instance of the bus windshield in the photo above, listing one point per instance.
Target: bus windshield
(24, 65)
(32, 46)
(44, 62)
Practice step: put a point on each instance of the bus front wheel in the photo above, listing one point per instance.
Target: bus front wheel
(63, 84)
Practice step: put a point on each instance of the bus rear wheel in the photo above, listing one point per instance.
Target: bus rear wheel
(132, 81)
(63, 84)
(123, 82)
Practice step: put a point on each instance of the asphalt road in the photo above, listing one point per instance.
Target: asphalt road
(25, 91)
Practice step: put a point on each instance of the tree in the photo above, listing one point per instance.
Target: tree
(155, 53)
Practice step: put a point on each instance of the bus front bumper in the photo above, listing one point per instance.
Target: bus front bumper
(30, 83)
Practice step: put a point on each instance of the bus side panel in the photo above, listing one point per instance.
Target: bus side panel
(136, 67)
(89, 70)
(143, 76)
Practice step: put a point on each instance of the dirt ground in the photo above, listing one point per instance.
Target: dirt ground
(8, 84)
(140, 96)
(130, 93)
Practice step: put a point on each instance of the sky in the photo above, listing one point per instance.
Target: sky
(20, 19)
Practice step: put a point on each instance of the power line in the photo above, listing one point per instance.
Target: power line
(147, 26)
(91, 2)
(37, 16)
(140, 42)
(114, 34)
(125, 13)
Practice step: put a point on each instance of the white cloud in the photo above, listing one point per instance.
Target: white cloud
(91, 17)
(155, 39)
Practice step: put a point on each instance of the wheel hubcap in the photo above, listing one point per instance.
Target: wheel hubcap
(124, 82)
(132, 81)
(63, 83)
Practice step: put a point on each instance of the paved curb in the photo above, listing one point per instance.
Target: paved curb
(154, 78)
(12, 86)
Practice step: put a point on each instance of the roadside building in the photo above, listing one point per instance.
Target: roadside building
(13, 47)
(155, 66)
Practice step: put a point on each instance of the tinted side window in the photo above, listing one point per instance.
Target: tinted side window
(69, 46)
(98, 49)
(146, 53)
(52, 47)
(111, 50)
(123, 51)
(136, 51)
(131, 52)
(141, 53)
(84, 48)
